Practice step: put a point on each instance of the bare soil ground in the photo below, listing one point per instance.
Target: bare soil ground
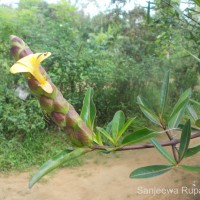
(104, 177)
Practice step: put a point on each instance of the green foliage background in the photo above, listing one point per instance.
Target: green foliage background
(120, 54)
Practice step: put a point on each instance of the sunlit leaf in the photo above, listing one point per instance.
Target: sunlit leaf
(88, 112)
(117, 123)
(164, 92)
(163, 152)
(106, 134)
(150, 171)
(185, 139)
(97, 138)
(125, 127)
(138, 136)
(55, 162)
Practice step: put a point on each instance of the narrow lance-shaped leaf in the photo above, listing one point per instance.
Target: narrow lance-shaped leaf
(138, 136)
(147, 110)
(192, 112)
(177, 115)
(88, 112)
(164, 92)
(109, 132)
(191, 168)
(124, 128)
(150, 171)
(109, 127)
(117, 123)
(185, 95)
(101, 130)
(192, 151)
(163, 152)
(57, 161)
(185, 139)
(97, 138)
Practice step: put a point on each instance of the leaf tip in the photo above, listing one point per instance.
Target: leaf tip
(30, 184)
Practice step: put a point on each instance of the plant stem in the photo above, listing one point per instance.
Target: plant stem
(174, 150)
(144, 146)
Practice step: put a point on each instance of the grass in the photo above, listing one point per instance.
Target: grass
(32, 150)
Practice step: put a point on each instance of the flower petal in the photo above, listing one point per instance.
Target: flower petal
(31, 64)
(17, 68)
(47, 87)
(39, 57)
(27, 61)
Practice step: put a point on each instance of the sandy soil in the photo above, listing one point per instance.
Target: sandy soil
(104, 177)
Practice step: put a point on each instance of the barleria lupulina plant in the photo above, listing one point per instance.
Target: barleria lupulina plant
(50, 98)
(86, 138)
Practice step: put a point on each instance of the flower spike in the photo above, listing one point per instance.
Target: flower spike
(54, 104)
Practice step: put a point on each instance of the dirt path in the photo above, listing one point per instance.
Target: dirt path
(103, 178)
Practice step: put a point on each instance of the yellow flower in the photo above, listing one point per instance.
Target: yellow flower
(31, 64)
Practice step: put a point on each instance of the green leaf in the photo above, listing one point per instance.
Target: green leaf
(117, 123)
(163, 152)
(185, 95)
(197, 2)
(88, 111)
(147, 111)
(164, 92)
(142, 101)
(61, 158)
(192, 151)
(179, 107)
(192, 127)
(124, 128)
(185, 139)
(138, 136)
(192, 112)
(177, 114)
(191, 168)
(109, 128)
(101, 130)
(150, 171)
(97, 138)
